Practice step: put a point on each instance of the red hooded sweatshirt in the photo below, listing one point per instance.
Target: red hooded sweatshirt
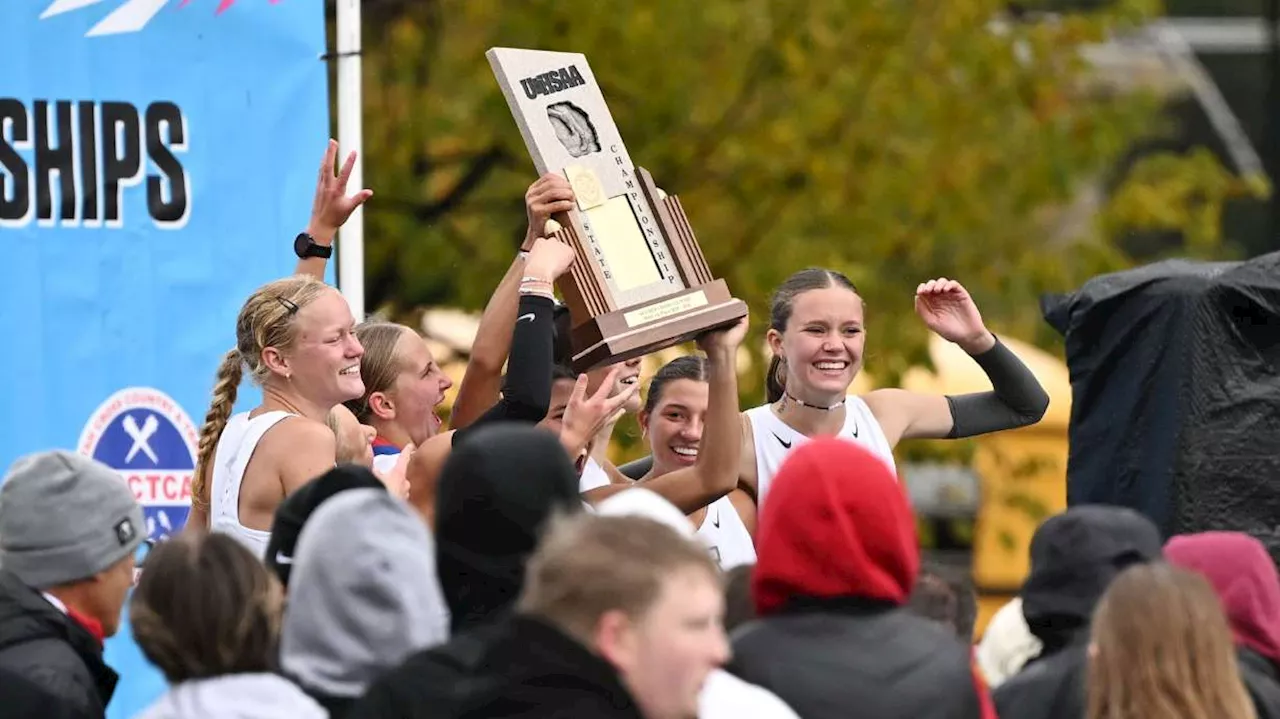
(1244, 577)
(838, 525)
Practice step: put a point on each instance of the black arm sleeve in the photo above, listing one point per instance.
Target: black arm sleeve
(1015, 400)
(526, 393)
(637, 468)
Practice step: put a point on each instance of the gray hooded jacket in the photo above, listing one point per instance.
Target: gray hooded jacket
(363, 594)
(235, 696)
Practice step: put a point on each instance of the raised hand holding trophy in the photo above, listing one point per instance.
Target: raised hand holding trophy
(639, 283)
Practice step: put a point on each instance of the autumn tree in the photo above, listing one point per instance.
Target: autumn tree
(895, 141)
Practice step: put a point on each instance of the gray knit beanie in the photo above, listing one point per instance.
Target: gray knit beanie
(65, 517)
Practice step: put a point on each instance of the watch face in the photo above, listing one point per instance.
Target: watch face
(301, 244)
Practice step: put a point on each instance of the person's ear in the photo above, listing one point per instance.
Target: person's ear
(382, 406)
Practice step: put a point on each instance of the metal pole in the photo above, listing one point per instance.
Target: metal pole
(350, 138)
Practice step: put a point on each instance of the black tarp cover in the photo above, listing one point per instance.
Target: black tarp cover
(1175, 378)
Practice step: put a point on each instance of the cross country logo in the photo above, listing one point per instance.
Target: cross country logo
(148, 438)
(131, 16)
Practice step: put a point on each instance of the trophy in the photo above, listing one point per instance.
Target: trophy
(639, 283)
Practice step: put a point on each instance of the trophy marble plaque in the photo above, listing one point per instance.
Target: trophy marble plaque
(640, 283)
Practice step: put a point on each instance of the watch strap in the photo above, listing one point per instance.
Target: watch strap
(304, 246)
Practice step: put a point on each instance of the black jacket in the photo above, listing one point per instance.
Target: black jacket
(1074, 557)
(47, 658)
(862, 659)
(1051, 687)
(1263, 682)
(518, 668)
(496, 492)
(337, 707)
(1055, 687)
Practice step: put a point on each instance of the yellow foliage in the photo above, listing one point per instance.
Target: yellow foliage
(895, 141)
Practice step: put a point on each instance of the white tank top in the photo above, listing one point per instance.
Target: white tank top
(774, 439)
(593, 476)
(235, 449)
(383, 463)
(724, 534)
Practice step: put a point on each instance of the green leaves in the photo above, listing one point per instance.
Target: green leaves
(897, 141)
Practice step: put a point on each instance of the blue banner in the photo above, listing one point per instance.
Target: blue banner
(156, 159)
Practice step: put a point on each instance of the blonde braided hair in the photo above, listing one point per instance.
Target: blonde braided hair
(265, 320)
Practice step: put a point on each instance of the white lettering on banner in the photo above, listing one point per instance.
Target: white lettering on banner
(162, 487)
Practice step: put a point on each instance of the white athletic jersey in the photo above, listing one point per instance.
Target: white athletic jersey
(724, 534)
(383, 463)
(774, 439)
(235, 449)
(593, 476)
(725, 696)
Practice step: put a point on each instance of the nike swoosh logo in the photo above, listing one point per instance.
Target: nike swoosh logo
(785, 445)
(282, 558)
(716, 521)
(530, 316)
(855, 429)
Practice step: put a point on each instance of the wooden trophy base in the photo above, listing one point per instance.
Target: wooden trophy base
(652, 326)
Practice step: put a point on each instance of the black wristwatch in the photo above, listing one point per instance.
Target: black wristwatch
(305, 246)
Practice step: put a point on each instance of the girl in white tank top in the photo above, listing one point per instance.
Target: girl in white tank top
(673, 417)
(775, 439)
(816, 334)
(296, 338)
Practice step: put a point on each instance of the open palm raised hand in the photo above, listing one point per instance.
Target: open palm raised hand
(332, 205)
(948, 310)
(585, 415)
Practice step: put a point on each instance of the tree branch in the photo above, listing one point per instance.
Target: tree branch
(426, 212)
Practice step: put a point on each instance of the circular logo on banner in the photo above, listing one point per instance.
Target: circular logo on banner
(148, 438)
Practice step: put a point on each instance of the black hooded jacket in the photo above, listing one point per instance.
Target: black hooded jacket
(497, 490)
(517, 667)
(1074, 557)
